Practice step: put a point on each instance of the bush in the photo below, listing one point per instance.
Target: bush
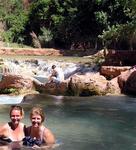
(45, 37)
(8, 91)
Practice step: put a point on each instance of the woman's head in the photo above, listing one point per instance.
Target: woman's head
(16, 114)
(37, 111)
(18, 108)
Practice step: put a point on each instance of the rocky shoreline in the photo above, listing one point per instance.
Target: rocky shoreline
(79, 83)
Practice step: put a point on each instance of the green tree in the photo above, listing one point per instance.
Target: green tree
(55, 16)
(15, 18)
(95, 23)
(121, 30)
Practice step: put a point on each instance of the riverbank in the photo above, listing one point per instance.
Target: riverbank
(45, 51)
(83, 77)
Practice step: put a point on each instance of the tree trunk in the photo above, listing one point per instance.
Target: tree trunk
(35, 40)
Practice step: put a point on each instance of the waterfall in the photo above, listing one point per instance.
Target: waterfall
(40, 69)
(37, 70)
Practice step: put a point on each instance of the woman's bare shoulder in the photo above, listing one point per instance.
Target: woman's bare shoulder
(48, 132)
(3, 126)
(3, 129)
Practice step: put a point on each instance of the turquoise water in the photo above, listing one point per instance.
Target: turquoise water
(86, 123)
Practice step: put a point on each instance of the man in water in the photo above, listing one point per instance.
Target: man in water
(57, 74)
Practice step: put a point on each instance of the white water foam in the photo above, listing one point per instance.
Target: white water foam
(6, 99)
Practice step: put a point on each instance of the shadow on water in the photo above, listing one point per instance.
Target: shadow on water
(86, 123)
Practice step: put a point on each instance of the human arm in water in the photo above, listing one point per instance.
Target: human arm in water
(3, 131)
(48, 137)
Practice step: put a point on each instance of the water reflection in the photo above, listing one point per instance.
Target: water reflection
(96, 123)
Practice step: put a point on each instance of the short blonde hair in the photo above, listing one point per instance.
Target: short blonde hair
(17, 107)
(37, 111)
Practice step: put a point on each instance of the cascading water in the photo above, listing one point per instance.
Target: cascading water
(40, 69)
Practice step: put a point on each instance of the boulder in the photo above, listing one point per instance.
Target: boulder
(87, 84)
(112, 71)
(17, 82)
(53, 88)
(81, 85)
(120, 58)
(90, 84)
(113, 87)
(127, 81)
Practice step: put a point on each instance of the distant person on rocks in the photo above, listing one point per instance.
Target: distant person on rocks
(57, 75)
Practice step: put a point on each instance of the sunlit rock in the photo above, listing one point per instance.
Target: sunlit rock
(53, 88)
(112, 71)
(127, 81)
(80, 80)
(113, 87)
(90, 84)
(15, 83)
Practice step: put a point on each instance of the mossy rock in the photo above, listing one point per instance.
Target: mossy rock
(9, 91)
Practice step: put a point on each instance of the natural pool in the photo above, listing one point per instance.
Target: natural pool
(86, 123)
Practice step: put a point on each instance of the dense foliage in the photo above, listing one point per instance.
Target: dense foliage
(71, 23)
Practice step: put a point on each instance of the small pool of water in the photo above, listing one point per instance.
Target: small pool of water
(86, 123)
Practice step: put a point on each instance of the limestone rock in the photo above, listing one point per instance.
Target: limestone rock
(112, 71)
(53, 88)
(77, 85)
(16, 81)
(88, 84)
(113, 87)
(127, 81)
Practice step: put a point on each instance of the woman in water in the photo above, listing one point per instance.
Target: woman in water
(37, 133)
(13, 131)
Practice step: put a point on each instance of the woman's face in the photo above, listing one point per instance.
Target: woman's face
(36, 120)
(15, 116)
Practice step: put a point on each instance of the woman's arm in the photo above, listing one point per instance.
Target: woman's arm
(2, 130)
(49, 137)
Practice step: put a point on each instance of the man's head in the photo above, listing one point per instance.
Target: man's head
(53, 66)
